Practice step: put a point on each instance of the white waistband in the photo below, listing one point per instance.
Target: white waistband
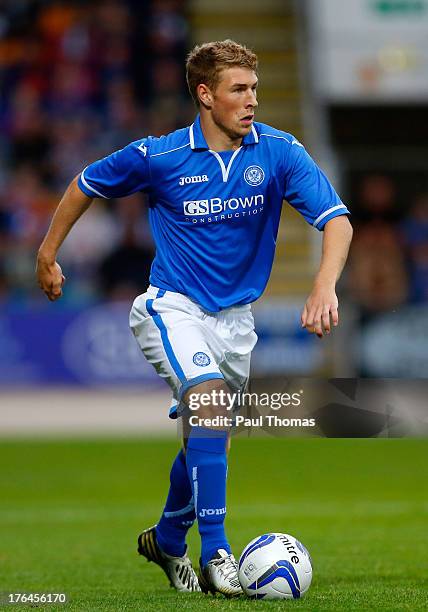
(153, 291)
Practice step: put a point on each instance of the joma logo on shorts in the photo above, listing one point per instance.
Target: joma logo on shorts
(186, 180)
(211, 511)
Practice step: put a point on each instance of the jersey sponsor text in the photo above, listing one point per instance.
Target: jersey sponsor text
(216, 206)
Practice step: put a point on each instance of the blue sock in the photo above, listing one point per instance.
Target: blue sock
(207, 468)
(179, 512)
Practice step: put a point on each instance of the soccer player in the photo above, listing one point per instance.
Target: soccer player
(216, 190)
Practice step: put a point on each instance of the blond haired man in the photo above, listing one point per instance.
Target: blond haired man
(216, 190)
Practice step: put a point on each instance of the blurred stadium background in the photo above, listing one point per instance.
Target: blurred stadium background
(80, 79)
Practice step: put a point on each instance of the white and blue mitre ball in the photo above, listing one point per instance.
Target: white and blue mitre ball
(275, 566)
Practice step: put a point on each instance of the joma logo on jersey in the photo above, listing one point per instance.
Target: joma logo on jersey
(186, 180)
(215, 206)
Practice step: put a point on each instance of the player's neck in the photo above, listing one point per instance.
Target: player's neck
(217, 139)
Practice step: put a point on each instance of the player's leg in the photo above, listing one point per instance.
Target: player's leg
(171, 332)
(179, 512)
(206, 457)
(164, 543)
(168, 330)
(234, 332)
(176, 337)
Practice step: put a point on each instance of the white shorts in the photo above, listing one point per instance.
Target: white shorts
(188, 345)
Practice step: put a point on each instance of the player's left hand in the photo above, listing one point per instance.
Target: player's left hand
(321, 310)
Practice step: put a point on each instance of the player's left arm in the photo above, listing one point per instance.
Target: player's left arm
(310, 192)
(321, 307)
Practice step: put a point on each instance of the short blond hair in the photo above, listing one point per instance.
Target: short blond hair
(205, 62)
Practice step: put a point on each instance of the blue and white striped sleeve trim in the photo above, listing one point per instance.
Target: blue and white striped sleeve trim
(332, 212)
(86, 187)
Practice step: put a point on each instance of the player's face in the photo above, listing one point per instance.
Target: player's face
(234, 101)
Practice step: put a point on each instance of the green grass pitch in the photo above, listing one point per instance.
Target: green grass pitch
(71, 511)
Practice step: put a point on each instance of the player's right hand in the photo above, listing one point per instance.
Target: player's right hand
(50, 278)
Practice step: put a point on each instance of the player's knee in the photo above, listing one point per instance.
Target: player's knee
(210, 399)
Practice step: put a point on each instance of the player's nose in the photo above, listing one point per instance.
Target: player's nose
(252, 100)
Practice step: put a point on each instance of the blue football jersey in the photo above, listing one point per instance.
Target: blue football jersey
(215, 216)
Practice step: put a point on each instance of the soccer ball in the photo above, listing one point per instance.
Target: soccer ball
(275, 566)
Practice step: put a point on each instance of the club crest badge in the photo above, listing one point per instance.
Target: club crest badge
(201, 359)
(254, 175)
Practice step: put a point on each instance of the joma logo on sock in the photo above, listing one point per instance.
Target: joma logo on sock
(211, 511)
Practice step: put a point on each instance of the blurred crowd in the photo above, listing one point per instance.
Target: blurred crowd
(79, 80)
(388, 263)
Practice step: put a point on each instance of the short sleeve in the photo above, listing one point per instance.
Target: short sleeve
(119, 174)
(308, 189)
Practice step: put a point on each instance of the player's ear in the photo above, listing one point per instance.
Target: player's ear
(204, 94)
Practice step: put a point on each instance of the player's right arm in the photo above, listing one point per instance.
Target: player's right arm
(115, 176)
(72, 206)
